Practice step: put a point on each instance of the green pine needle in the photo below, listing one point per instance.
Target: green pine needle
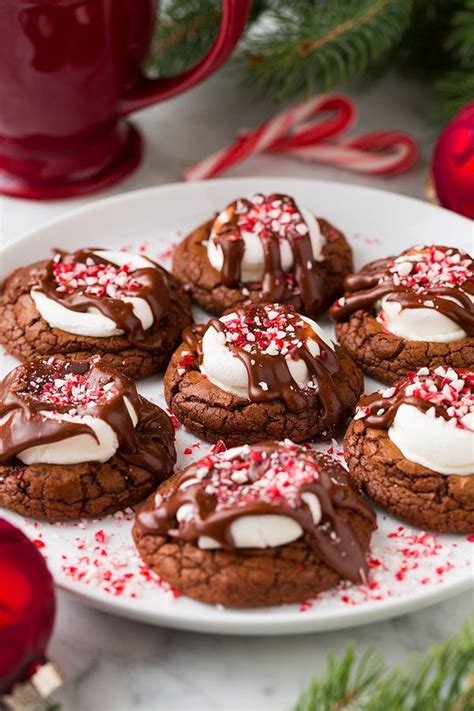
(460, 40)
(185, 31)
(442, 680)
(345, 681)
(305, 47)
(308, 46)
(456, 87)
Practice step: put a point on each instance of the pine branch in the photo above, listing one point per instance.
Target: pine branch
(184, 32)
(452, 92)
(461, 39)
(422, 52)
(305, 46)
(456, 87)
(345, 682)
(442, 680)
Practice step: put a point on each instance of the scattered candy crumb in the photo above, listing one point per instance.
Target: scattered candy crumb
(174, 419)
(101, 556)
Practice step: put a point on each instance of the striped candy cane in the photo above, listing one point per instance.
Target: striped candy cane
(295, 132)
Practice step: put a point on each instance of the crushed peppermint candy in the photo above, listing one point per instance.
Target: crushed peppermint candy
(271, 329)
(232, 478)
(426, 267)
(263, 215)
(446, 388)
(187, 359)
(51, 383)
(174, 420)
(96, 280)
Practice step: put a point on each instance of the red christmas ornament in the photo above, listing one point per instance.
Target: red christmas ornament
(453, 164)
(27, 607)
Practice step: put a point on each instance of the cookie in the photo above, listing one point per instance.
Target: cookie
(410, 448)
(264, 249)
(256, 526)
(76, 439)
(123, 307)
(401, 314)
(261, 371)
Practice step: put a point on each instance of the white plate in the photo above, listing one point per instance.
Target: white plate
(96, 561)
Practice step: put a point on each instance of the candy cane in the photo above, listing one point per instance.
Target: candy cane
(294, 133)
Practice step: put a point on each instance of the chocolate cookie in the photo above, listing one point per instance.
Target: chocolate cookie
(256, 526)
(120, 306)
(400, 314)
(411, 449)
(261, 371)
(264, 249)
(76, 439)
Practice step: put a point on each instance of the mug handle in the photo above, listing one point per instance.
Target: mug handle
(149, 91)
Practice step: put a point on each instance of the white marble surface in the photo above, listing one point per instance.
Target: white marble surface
(112, 664)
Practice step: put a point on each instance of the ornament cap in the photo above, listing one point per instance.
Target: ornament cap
(430, 189)
(31, 695)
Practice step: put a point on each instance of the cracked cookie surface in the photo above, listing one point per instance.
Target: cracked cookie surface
(388, 357)
(193, 270)
(409, 491)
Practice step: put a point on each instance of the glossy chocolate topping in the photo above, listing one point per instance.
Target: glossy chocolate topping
(272, 219)
(267, 478)
(82, 280)
(443, 392)
(265, 337)
(38, 400)
(421, 277)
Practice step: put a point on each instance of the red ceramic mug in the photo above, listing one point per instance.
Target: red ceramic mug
(70, 70)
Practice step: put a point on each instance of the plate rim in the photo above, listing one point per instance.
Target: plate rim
(245, 622)
(96, 205)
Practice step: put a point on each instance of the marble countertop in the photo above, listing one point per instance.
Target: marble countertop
(112, 664)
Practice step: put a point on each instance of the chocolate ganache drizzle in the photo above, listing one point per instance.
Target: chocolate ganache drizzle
(265, 337)
(38, 399)
(267, 478)
(82, 280)
(443, 392)
(420, 277)
(272, 219)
